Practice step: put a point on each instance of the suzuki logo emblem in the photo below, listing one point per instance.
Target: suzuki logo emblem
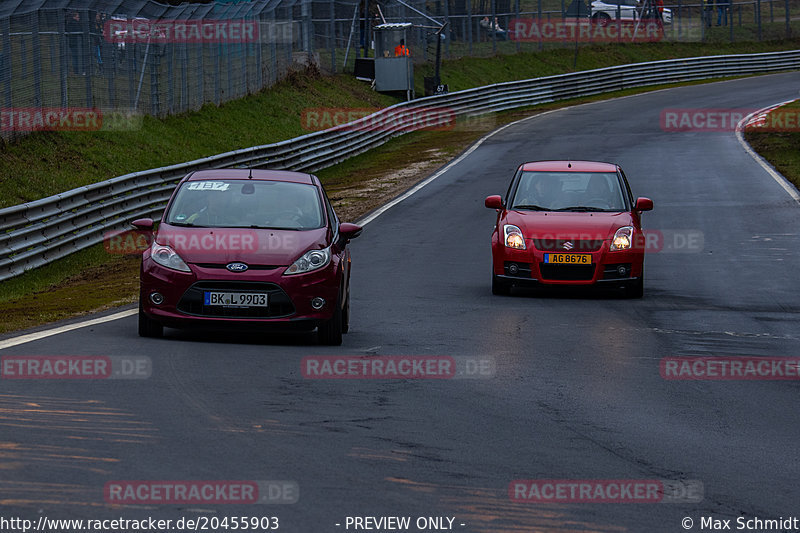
(568, 245)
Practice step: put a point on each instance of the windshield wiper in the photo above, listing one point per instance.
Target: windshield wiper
(256, 226)
(580, 208)
(531, 206)
(185, 225)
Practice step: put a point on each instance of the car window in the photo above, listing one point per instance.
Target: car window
(246, 203)
(569, 191)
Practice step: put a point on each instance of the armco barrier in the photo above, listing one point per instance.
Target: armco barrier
(37, 233)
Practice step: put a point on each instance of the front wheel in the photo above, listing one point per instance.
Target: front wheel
(346, 313)
(636, 288)
(330, 331)
(500, 286)
(147, 326)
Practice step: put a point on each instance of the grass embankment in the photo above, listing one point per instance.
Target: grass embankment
(780, 148)
(48, 163)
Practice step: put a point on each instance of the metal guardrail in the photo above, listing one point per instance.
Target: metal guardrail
(36, 233)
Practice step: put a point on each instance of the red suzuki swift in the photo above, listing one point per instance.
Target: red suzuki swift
(247, 247)
(568, 223)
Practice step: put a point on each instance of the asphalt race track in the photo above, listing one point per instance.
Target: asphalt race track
(577, 393)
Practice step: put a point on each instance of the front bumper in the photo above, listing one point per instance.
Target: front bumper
(289, 297)
(528, 266)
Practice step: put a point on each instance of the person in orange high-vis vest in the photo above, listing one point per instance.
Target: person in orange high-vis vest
(401, 49)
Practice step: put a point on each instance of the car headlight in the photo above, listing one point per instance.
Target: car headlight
(622, 239)
(167, 257)
(310, 261)
(513, 237)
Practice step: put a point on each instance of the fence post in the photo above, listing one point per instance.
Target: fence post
(469, 24)
(88, 66)
(201, 74)
(7, 63)
(491, 25)
(155, 104)
(516, 15)
(729, 20)
(332, 35)
(217, 73)
(758, 16)
(257, 59)
(170, 77)
(228, 46)
(786, 14)
(183, 53)
(446, 33)
(274, 53)
(64, 53)
(130, 53)
(307, 28)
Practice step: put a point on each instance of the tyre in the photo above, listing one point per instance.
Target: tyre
(346, 313)
(330, 331)
(636, 288)
(601, 19)
(500, 286)
(149, 327)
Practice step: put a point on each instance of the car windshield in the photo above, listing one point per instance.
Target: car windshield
(246, 204)
(569, 191)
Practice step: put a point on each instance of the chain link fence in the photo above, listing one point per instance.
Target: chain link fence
(102, 64)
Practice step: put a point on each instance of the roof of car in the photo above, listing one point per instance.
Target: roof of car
(570, 166)
(257, 174)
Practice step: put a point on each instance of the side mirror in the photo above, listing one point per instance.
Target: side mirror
(494, 202)
(349, 231)
(143, 223)
(644, 204)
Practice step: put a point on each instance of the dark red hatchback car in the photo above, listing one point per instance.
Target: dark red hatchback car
(253, 248)
(568, 223)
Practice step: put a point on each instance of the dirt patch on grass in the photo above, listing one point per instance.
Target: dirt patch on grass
(354, 201)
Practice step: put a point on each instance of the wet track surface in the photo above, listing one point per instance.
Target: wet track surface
(577, 392)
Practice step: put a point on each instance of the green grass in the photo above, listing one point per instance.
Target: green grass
(471, 72)
(44, 164)
(780, 148)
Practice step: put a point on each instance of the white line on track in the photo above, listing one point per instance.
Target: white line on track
(15, 341)
(777, 176)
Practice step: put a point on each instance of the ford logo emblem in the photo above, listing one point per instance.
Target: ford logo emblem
(236, 267)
